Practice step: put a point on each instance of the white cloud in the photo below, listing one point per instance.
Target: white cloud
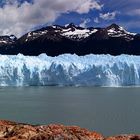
(108, 16)
(85, 22)
(96, 20)
(18, 19)
(87, 6)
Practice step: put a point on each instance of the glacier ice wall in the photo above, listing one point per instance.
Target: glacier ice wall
(65, 70)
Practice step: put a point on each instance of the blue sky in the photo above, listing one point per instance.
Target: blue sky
(123, 12)
(19, 16)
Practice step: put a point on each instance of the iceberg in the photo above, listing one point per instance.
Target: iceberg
(69, 70)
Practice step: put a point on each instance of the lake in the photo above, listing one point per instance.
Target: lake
(106, 110)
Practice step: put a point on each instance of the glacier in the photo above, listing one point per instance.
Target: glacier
(69, 70)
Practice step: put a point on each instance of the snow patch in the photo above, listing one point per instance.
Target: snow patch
(3, 41)
(34, 35)
(78, 33)
(121, 28)
(121, 32)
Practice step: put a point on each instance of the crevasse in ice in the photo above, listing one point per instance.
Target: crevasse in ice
(70, 70)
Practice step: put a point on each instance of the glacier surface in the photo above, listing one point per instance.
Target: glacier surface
(70, 70)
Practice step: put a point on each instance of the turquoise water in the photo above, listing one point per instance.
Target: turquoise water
(107, 110)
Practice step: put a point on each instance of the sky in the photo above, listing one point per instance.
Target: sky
(20, 16)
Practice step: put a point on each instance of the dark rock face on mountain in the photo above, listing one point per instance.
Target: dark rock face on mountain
(56, 40)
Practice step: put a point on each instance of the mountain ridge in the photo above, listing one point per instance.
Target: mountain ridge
(55, 40)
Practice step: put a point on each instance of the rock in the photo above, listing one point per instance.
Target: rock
(124, 137)
(16, 131)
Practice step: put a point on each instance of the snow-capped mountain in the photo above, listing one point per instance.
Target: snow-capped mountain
(118, 31)
(55, 40)
(69, 31)
(77, 33)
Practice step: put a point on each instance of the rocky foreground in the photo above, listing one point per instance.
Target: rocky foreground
(17, 131)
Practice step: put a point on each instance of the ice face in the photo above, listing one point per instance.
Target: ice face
(67, 70)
